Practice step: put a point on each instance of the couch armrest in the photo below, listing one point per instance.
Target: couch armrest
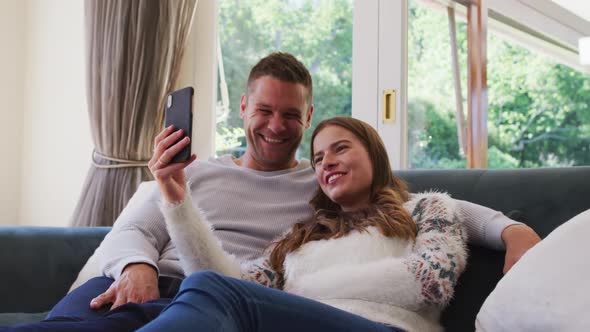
(38, 264)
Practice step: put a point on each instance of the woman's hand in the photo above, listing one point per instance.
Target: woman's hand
(170, 176)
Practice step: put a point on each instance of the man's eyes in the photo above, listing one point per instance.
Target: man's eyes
(292, 116)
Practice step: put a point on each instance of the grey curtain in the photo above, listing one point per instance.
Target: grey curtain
(134, 51)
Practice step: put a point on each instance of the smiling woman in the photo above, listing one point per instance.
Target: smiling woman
(343, 167)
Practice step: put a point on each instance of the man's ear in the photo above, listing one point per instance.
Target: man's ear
(243, 102)
(309, 115)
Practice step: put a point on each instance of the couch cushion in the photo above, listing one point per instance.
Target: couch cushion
(40, 263)
(543, 198)
(9, 319)
(548, 289)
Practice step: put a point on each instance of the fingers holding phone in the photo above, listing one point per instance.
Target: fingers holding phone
(170, 175)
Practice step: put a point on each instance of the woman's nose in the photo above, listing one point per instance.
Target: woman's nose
(329, 162)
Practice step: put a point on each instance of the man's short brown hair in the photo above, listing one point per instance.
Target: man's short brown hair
(283, 67)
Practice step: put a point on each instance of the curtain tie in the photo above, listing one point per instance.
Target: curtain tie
(121, 163)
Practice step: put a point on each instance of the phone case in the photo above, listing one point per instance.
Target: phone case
(179, 113)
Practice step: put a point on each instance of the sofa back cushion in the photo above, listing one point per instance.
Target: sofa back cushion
(542, 198)
(40, 263)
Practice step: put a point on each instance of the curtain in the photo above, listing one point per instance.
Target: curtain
(134, 50)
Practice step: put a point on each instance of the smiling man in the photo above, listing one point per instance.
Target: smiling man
(275, 113)
(249, 201)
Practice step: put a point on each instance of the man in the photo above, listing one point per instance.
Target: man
(249, 200)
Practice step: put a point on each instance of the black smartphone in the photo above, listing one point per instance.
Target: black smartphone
(179, 112)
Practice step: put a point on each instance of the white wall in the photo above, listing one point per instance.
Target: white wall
(57, 144)
(12, 34)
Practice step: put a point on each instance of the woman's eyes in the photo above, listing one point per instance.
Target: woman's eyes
(337, 149)
(341, 148)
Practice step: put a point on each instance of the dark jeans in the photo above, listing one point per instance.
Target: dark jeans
(76, 305)
(73, 312)
(208, 301)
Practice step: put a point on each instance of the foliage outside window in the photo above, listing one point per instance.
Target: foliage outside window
(432, 130)
(538, 113)
(538, 110)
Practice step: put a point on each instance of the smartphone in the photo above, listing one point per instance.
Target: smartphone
(179, 112)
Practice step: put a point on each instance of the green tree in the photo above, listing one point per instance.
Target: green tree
(537, 109)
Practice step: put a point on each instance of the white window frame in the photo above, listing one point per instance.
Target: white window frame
(379, 63)
(199, 69)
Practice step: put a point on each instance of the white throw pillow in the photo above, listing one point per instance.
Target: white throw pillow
(548, 289)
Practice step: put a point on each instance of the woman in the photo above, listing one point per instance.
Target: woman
(369, 259)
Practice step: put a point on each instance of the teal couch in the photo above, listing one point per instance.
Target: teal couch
(39, 264)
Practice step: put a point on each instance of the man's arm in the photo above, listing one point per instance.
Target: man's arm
(492, 229)
(519, 239)
(130, 252)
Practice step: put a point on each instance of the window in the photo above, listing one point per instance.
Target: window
(319, 33)
(537, 106)
(433, 140)
(538, 112)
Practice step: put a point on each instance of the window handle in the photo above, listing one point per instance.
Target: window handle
(388, 106)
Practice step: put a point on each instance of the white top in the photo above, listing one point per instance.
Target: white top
(385, 279)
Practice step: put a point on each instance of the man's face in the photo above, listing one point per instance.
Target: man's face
(275, 113)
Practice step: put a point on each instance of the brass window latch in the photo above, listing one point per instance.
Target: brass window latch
(388, 106)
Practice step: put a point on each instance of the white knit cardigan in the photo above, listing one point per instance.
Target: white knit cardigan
(385, 279)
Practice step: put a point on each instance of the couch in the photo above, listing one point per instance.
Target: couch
(39, 264)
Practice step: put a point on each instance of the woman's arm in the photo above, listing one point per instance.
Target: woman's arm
(426, 277)
(199, 249)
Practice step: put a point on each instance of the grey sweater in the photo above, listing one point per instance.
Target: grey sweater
(247, 210)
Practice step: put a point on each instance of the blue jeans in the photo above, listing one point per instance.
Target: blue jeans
(73, 312)
(76, 305)
(208, 301)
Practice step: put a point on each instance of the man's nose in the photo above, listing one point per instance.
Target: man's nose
(276, 123)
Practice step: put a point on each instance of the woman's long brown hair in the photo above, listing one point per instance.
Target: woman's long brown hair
(386, 211)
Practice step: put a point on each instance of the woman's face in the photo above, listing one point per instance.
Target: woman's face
(343, 167)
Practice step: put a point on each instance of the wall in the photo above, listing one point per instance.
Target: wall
(57, 144)
(12, 34)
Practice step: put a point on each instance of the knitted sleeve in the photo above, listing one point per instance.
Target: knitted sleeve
(439, 254)
(424, 277)
(199, 249)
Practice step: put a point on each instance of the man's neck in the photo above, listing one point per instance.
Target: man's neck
(247, 161)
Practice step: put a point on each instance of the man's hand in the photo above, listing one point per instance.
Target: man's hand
(518, 239)
(138, 283)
